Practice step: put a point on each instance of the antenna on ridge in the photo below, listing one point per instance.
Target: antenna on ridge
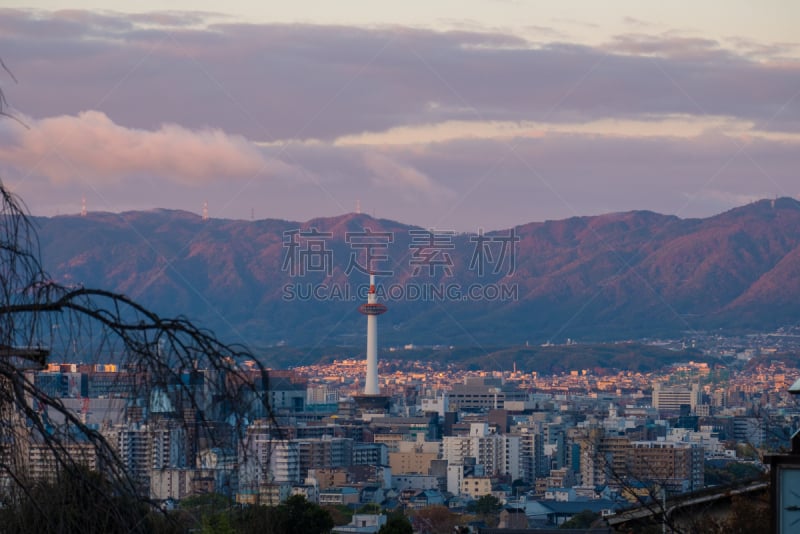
(83, 206)
(205, 210)
(358, 206)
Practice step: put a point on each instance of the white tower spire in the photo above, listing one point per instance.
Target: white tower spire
(372, 308)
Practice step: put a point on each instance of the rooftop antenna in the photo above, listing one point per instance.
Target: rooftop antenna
(205, 210)
(83, 206)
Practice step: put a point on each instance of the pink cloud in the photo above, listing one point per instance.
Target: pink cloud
(91, 147)
(671, 46)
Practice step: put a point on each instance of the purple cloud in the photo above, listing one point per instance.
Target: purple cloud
(273, 81)
(156, 110)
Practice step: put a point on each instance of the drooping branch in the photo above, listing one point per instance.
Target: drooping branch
(44, 322)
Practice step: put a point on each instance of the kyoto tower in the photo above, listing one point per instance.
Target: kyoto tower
(372, 309)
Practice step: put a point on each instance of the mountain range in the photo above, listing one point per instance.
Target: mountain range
(595, 278)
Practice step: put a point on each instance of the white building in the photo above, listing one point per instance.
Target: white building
(180, 483)
(362, 524)
(267, 461)
(440, 404)
(497, 454)
(670, 399)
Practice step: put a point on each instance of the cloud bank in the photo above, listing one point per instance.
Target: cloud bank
(91, 147)
(299, 120)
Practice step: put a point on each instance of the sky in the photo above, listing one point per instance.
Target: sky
(480, 114)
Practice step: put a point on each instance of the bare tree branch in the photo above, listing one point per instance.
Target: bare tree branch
(44, 322)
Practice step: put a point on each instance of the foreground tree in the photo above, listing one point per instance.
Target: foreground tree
(397, 524)
(435, 520)
(294, 516)
(41, 321)
(62, 506)
(487, 508)
(746, 515)
(582, 520)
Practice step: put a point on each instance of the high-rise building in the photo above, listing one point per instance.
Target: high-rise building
(265, 460)
(603, 458)
(326, 452)
(132, 443)
(671, 398)
(532, 456)
(43, 466)
(676, 466)
(497, 454)
(481, 394)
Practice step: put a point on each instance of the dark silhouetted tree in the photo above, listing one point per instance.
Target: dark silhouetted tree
(397, 524)
(487, 508)
(581, 520)
(294, 516)
(435, 520)
(40, 321)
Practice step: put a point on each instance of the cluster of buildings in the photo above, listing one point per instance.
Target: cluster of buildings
(551, 453)
(548, 446)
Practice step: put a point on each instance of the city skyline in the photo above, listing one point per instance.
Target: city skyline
(411, 115)
(583, 217)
